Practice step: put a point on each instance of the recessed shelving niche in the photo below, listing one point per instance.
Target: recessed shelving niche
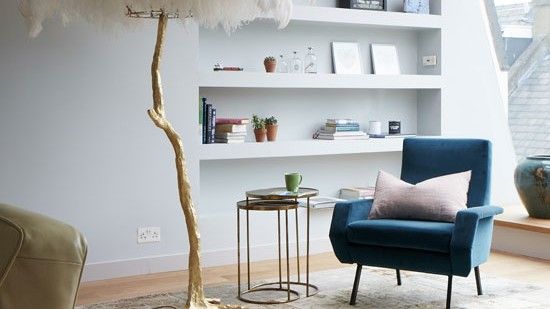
(302, 101)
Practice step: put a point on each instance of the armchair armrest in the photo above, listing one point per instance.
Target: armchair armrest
(472, 235)
(481, 212)
(345, 213)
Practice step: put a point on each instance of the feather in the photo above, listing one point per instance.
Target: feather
(228, 14)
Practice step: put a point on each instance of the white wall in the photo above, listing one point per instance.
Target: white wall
(472, 99)
(77, 144)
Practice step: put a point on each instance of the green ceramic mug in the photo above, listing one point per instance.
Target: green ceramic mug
(293, 181)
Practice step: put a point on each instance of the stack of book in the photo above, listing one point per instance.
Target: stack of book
(340, 129)
(356, 193)
(230, 130)
(319, 202)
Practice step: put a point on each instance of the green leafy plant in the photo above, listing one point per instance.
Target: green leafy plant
(271, 121)
(257, 122)
(269, 59)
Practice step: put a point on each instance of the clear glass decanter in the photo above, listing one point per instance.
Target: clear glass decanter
(296, 64)
(282, 66)
(310, 62)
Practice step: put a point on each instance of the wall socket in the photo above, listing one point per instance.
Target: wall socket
(429, 61)
(148, 234)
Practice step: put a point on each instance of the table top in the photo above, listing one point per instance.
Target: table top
(280, 193)
(267, 205)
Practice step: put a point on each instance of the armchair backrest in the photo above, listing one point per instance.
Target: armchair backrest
(425, 158)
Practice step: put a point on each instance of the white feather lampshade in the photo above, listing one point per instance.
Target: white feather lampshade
(229, 14)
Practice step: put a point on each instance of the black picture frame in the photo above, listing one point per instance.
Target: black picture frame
(374, 5)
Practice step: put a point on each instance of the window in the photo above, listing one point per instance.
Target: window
(526, 37)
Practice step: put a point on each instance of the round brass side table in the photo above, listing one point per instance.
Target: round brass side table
(279, 200)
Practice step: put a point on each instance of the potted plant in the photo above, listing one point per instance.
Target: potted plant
(270, 64)
(271, 126)
(259, 128)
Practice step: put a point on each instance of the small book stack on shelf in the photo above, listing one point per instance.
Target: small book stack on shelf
(220, 130)
(340, 129)
(230, 130)
(318, 202)
(357, 193)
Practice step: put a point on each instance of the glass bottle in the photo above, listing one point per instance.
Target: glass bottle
(296, 64)
(282, 65)
(310, 62)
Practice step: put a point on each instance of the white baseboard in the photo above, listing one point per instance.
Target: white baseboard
(521, 242)
(178, 261)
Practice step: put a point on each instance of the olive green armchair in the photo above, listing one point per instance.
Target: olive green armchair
(41, 261)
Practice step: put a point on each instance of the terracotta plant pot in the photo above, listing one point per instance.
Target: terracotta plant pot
(270, 66)
(272, 132)
(260, 135)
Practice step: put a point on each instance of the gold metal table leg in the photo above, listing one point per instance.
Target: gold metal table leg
(287, 258)
(307, 251)
(248, 248)
(297, 246)
(238, 252)
(279, 243)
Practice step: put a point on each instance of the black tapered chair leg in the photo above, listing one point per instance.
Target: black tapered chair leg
(449, 292)
(355, 284)
(398, 274)
(478, 281)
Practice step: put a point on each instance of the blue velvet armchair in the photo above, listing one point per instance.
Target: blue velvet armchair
(450, 249)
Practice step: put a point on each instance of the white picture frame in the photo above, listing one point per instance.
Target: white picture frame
(385, 60)
(346, 58)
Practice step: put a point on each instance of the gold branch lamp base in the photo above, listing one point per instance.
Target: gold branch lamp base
(195, 296)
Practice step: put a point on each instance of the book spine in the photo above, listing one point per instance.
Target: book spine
(204, 114)
(213, 126)
(230, 121)
(231, 128)
(200, 111)
(377, 136)
(342, 129)
(208, 124)
(342, 122)
(355, 124)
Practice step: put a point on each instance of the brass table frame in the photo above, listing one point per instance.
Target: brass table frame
(268, 200)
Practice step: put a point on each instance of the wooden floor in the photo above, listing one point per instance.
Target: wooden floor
(500, 265)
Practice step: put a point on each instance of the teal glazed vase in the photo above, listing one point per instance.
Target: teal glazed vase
(532, 178)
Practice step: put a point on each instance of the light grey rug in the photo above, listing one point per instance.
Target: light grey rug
(378, 289)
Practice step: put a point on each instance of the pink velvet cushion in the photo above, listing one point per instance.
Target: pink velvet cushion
(436, 199)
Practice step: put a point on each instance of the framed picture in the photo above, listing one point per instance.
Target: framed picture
(378, 5)
(346, 58)
(384, 59)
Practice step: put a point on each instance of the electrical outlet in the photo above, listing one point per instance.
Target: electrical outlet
(429, 61)
(148, 234)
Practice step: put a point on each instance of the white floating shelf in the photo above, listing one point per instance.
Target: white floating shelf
(298, 148)
(375, 19)
(317, 81)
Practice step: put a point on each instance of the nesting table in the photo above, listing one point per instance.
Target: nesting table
(280, 201)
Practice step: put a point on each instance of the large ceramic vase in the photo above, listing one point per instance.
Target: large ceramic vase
(532, 178)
